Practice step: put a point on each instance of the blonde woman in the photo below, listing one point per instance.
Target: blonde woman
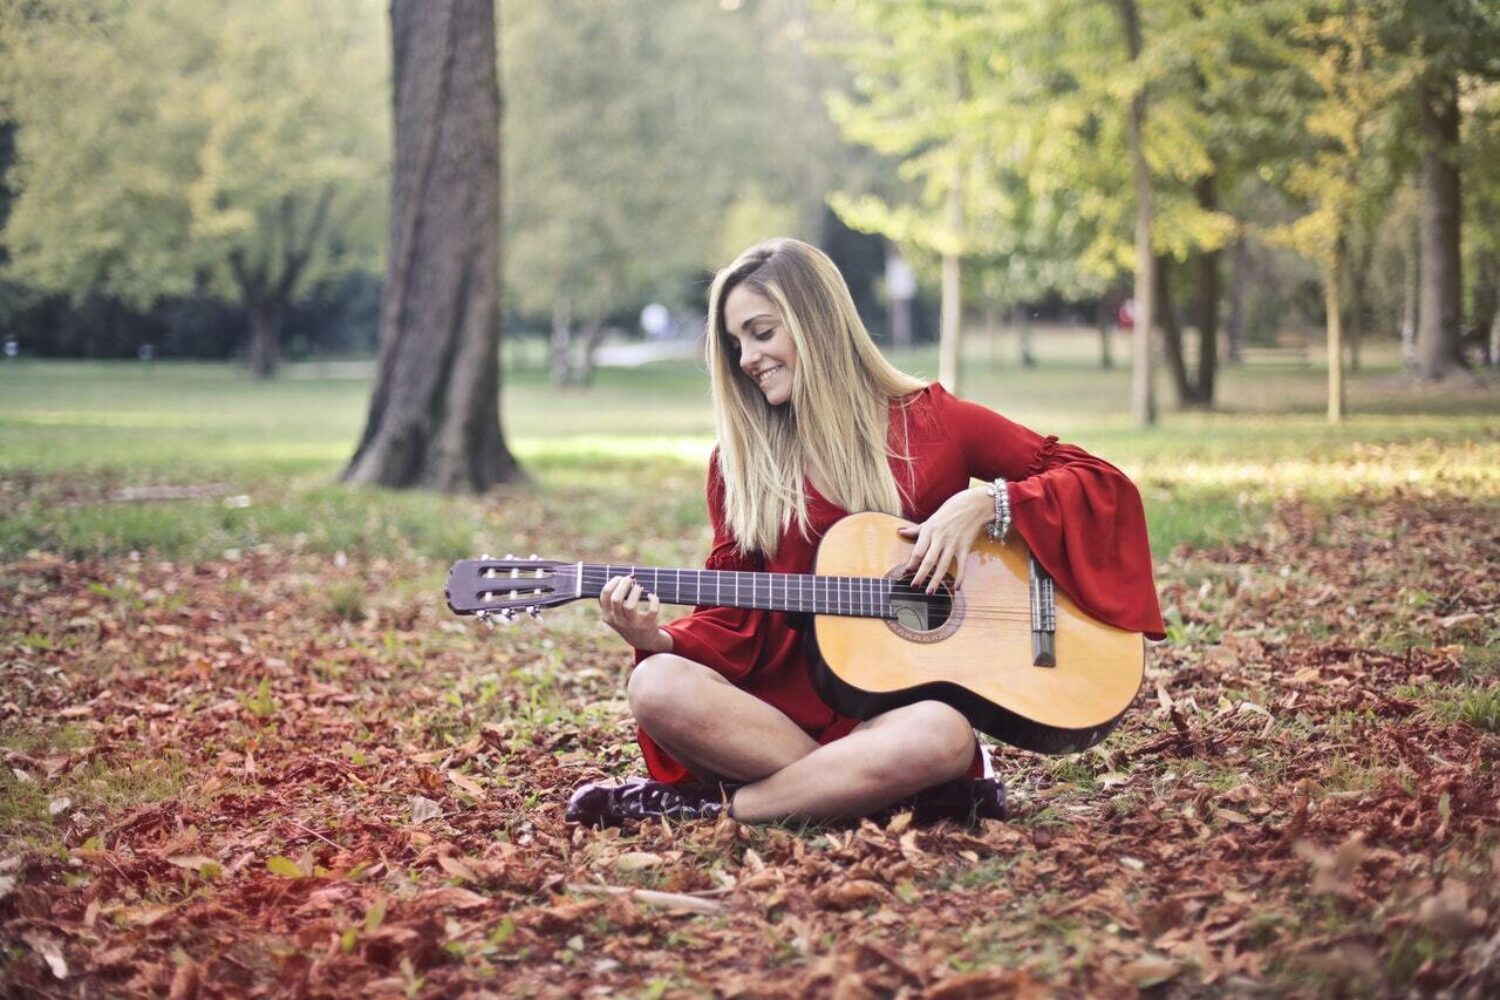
(814, 423)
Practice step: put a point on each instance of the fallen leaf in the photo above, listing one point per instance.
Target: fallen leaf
(424, 809)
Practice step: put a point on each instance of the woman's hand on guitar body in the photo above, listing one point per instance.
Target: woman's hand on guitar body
(946, 537)
(635, 619)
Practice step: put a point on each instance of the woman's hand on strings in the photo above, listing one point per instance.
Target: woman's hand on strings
(945, 538)
(632, 612)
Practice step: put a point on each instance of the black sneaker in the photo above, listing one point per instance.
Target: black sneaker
(965, 801)
(611, 805)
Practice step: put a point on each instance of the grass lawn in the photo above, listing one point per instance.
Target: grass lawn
(246, 748)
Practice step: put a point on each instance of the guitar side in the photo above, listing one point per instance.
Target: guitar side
(984, 666)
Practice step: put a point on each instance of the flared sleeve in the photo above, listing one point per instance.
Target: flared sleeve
(727, 640)
(1081, 517)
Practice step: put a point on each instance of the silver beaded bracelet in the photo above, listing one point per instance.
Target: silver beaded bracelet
(1000, 526)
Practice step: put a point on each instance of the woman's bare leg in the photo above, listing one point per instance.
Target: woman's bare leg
(715, 729)
(710, 726)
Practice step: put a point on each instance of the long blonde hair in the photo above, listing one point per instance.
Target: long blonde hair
(839, 412)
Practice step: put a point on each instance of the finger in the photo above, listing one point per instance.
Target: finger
(924, 568)
(918, 551)
(653, 605)
(606, 592)
(620, 593)
(632, 596)
(941, 569)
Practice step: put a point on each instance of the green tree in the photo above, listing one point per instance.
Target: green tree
(1340, 51)
(217, 147)
(646, 141)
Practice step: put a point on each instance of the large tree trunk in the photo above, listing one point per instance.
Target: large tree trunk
(1439, 350)
(1142, 393)
(265, 339)
(434, 418)
(1359, 283)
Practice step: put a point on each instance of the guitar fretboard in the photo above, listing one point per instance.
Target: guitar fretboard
(853, 596)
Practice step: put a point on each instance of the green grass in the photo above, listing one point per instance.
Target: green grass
(628, 454)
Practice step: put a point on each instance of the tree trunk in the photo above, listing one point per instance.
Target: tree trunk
(1410, 297)
(1234, 324)
(950, 330)
(1486, 299)
(265, 339)
(561, 365)
(1104, 318)
(593, 335)
(1172, 335)
(1359, 281)
(1333, 290)
(434, 418)
(1142, 393)
(1208, 303)
(1022, 322)
(1439, 349)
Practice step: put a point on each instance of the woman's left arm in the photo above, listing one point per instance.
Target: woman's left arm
(1081, 517)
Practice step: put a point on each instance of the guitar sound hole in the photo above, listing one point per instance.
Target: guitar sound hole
(921, 617)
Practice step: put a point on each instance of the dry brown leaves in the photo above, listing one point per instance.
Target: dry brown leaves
(1283, 811)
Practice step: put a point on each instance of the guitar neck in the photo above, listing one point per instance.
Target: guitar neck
(851, 596)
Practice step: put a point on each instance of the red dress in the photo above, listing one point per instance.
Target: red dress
(1079, 515)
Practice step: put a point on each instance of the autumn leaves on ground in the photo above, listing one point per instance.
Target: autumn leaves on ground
(276, 771)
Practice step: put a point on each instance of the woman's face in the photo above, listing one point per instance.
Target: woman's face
(761, 342)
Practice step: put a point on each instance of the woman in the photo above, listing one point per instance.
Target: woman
(814, 423)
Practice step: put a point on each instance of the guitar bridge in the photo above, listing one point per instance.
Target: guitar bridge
(1043, 616)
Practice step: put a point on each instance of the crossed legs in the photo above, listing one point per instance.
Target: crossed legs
(720, 732)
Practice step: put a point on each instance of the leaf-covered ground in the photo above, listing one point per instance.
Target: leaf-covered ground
(277, 775)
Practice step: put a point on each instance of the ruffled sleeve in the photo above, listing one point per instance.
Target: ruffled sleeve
(1081, 517)
(727, 640)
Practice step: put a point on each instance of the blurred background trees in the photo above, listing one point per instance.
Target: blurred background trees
(227, 152)
(212, 177)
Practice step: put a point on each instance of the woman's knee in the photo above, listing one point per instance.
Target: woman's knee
(941, 740)
(658, 688)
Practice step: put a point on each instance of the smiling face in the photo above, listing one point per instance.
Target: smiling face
(763, 345)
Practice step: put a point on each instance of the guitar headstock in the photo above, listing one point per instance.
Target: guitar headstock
(505, 587)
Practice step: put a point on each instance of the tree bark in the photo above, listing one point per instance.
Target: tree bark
(265, 339)
(1171, 335)
(1208, 303)
(1234, 323)
(1021, 318)
(1486, 300)
(1142, 392)
(560, 366)
(1333, 291)
(1410, 296)
(434, 419)
(1439, 349)
(1104, 319)
(1359, 283)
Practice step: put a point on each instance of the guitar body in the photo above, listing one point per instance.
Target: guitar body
(979, 658)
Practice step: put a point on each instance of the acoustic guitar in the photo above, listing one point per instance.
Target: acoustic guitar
(1009, 650)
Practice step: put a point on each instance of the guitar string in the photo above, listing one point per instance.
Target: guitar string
(860, 592)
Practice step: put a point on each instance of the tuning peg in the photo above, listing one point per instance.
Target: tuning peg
(533, 557)
(510, 555)
(486, 557)
(535, 613)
